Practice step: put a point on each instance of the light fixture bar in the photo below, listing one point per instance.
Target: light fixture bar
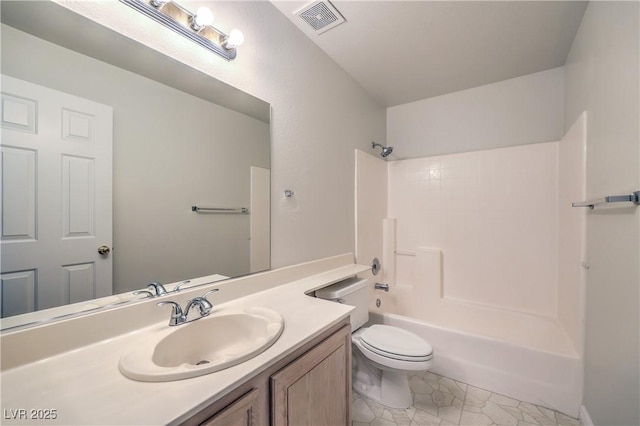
(213, 41)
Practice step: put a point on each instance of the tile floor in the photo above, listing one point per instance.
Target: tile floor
(441, 401)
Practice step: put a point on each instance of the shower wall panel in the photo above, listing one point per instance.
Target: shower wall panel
(493, 214)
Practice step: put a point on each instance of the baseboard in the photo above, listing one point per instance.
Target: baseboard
(584, 417)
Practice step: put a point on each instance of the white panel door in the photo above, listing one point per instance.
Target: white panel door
(56, 198)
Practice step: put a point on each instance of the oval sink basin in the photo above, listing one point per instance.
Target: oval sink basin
(203, 346)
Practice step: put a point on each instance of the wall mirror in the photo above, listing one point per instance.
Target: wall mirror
(179, 138)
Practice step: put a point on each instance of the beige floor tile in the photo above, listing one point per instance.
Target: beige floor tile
(474, 419)
(479, 394)
(386, 414)
(566, 420)
(450, 414)
(382, 422)
(419, 385)
(425, 403)
(377, 409)
(530, 409)
(503, 400)
(423, 418)
(448, 385)
(400, 417)
(411, 411)
(440, 401)
(514, 412)
(528, 419)
(499, 415)
(550, 414)
(472, 408)
(361, 412)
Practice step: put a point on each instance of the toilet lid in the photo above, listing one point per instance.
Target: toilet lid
(396, 342)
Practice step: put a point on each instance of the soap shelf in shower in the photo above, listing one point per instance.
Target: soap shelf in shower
(631, 198)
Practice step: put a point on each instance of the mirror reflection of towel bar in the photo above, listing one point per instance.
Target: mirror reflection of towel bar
(404, 253)
(219, 209)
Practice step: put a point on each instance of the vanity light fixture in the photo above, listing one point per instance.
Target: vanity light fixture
(195, 26)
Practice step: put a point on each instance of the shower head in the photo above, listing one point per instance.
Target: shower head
(386, 150)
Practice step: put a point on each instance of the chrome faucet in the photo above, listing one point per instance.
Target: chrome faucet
(380, 286)
(178, 316)
(157, 288)
(203, 305)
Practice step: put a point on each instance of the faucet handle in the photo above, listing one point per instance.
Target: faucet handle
(179, 286)
(213, 290)
(177, 317)
(147, 292)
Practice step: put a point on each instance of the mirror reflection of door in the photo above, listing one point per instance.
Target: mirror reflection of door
(56, 198)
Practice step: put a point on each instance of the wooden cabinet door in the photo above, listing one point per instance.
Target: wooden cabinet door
(315, 389)
(244, 411)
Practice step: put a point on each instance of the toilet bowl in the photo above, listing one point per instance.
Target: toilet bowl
(383, 356)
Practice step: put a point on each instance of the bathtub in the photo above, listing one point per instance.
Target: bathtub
(540, 377)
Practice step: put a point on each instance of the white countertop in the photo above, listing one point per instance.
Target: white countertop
(85, 387)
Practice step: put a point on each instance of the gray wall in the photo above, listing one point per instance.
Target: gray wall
(518, 111)
(602, 78)
(320, 115)
(171, 150)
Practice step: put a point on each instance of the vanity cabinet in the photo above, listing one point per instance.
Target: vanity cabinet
(245, 411)
(315, 388)
(311, 386)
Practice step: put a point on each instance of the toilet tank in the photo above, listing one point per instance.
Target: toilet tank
(353, 291)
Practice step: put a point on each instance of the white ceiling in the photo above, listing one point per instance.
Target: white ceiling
(403, 51)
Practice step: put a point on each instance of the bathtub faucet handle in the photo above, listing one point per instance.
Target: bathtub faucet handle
(380, 286)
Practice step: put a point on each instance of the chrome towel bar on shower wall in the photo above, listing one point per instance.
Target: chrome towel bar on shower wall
(219, 209)
(631, 198)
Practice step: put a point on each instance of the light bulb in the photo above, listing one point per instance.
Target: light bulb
(203, 18)
(235, 39)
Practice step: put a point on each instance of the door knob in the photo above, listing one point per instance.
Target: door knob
(104, 250)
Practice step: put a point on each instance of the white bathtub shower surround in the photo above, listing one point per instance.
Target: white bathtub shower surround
(419, 294)
(572, 231)
(494, 215)
(484, 250)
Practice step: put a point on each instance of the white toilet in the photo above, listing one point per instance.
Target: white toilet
(383, 355)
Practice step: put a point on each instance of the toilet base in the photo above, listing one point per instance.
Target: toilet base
(386, 387)
(396, 392)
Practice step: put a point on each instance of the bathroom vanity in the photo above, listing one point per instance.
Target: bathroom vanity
(310, 386)
(70, 367)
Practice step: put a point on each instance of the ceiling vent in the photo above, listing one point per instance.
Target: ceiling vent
(321, 16)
